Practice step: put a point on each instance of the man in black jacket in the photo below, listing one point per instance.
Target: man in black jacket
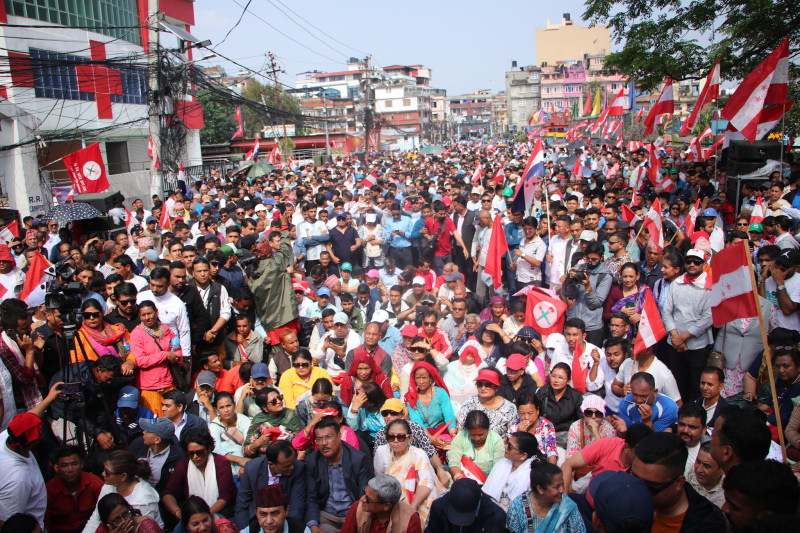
(464, 219)
(336, 474)
(158, 447)
(660, 462)
(464, 509)
(279, 465)
(199, 319)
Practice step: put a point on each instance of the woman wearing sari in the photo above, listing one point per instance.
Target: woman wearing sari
(461, 374)
(273, 415)
(296, 382)
(627, 297)
(363, 369)
(511, 477)
(410, 466)
(544, 509)
(152, 354)
(429, 405)
(96, 337)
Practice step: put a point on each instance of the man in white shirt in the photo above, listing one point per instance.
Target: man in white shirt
(530, 255)
(22, 488)
(171, 309)
(334, 345)
(691, 428)
(589, 360)
(783, 289)
(556, 259)
(124, 266)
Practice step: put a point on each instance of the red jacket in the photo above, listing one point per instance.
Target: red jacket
(68, 513)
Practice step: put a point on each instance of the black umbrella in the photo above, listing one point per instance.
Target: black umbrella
(566, 161)
(70, 212)
(576, 144)
(609, 142)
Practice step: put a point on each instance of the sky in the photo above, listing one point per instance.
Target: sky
(468, 45)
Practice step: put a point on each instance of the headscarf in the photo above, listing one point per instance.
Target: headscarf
(401, 356)
(412, 394)
(363, 357)
(330, 281)
(473, 346)
(486, 314)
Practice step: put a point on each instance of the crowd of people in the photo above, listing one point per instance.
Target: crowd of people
(322, 349)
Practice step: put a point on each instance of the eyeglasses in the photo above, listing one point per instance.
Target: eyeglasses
(126, 302)
(485, 385)
(389, 412)
(510, 447)
(90, 314)
(694, 261)
(301, 365)
(429, 323)
(198, 453)
(368, 501)
(418, 349)
(276, 401)
(326, 438)
(109, 473)
(656, 488)
(126, 515)
(485, 201)
(240, 212)
(556, 377)
(400, 437)
(593, 413)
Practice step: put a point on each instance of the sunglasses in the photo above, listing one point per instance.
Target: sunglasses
(389, 412)
(276, 401)
(109, 473)
(656, 488)
(126, 302)
(301, 365)
(216, 264)
(417, 349)
(400, 437)
(429, 323)
(197, 453)
(90, 314)
(694, 261)
(485, 385)
(593, 413)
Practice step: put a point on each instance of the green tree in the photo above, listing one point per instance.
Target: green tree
(218, 120)
(667, 38)
(255, 119)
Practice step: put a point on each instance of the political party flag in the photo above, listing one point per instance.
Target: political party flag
(477, 174)
(639, 115)
(576, 170)
(544, 312)
(252, 155)
(490, 147)
(757, 215)
(536, 157)
(9, 232)
(371, 179)
(163, 220)
(628, 215)
(470, 470)
(499, 175)
(767, 84)
(71, 194)
(587, 106)
(242, 353)
(665, 105)
(130, 221)
(652, 221)
(151, 153)
(86, 169)
(237, 117)
(615, 107)
(660, 181)
(709, 93)
(596, 104)
(34, 276)
(410, 483)
(651, 327)
(498, 247)
(691, 219)
(732, 285)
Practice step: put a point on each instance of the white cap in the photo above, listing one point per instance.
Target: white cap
(555, 198)
(588, 235)
(418, 280)
(380, 316)
(694, 252)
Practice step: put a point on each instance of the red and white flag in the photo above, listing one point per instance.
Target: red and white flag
(410, 483)
(732, 289)
(35, 275)
(576, 170)
(616, 106)
(619, 142)
(757, 215)
(370, 180)
(651, 327)
(691, 219)
(163, 220)
(634, 145)
(499, 175)
(242, 353)
(490, 147)
(628, 215)
(252, 155)
(660, 181)
(498, 247)
(86, 169)
(545, 312)
(652, 221)
(151, 153)
(665, 105)
(709, 93)
(130, 220)
(237, 117)
(639, 115)
(477, 174)
(767, 84)
(470, 470)
(71, 194)
(9, 232)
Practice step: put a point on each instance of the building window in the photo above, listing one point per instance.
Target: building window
(406, 102)
(115, 18)
(388, 103)
(523, 103)
(522, 90)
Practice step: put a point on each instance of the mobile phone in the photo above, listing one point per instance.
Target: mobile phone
(629, 304)
(337, 341)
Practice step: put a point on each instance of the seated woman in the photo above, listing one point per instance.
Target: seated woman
(496, 312)
(436, 338)
(363, 369)
(152, 353)
(196, 517)
(476, 449)
(410, 466)
(401, 355)
(296, 382)
(544, 508)
(786, 365)
(364, 415)
(201, 473)
(560, 402)
(460, 375)
(532, 421)
(585, 431)
(511, 477)
(500, 411)
(491, 339)
(628, 297)
(516, 382)
(96, 337)
(116, 514)
(321, 393)
(273, 414)
(516, 318)
(304, 440)
(228, 431)
(420, 350)
(429, 405)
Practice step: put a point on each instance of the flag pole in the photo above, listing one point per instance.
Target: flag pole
(767, 352)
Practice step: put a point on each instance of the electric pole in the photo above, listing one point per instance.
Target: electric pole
(273, 66)
(153, 53)
(368, 103)
(327, 137)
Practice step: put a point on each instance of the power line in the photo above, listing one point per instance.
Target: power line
(237, 23)
(305, 29)
(319, 29)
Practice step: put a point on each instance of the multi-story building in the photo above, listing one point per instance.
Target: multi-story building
(499, 113)
(523, 95)
(340, 114)
(441, 117)
(79, 66)
(570, 42)
(472, 113)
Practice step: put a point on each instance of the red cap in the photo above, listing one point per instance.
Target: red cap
(298, 287)
(6, 255)
(516, 361)
(490, 376)
(409, 330)
(26, 428)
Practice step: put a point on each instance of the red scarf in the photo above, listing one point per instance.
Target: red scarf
(579, 373)
(413, 393)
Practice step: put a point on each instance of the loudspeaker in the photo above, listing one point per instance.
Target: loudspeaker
(736, 167)
(103, 202)
(757, 151)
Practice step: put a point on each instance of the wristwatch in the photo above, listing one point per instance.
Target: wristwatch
(781, 287)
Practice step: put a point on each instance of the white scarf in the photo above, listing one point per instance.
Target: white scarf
(515, 483)
(202, 485)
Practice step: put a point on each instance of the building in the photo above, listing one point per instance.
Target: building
(568, 41)
(62, 78)
(441, 117)
(523, 95)
(339, 112)
(472, 113)
(499, 113)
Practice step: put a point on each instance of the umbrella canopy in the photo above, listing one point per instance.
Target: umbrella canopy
(70, 212)
(259, 169)
(576, 144)
(243, 167)
(566, 161)
(603, 141)
(432, 149)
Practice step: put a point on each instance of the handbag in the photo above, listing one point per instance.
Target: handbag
(429, 248)
(717, 359)
(179, 378)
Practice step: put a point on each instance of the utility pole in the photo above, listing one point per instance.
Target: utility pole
(327, 137)
(368, 112)
(156, 183)
(273, 66)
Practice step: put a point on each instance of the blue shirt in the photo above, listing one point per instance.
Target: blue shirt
(665, 412)
(405, 225)
(387, 279)
(390, 340)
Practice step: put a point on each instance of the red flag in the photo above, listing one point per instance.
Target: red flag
(653, 224)
(410, 483)
(163, 220)
(499, 176)
(470, 470)
(576, 170)
(639, 115)
(691, 219)
(651, 328)
(758, 212)
(709, 93)
(660, 181)
(86, 169)
(615, 107)
(628, 215)
(665, 105)
(10, 231)
(544, 312)
(478, 174)
(34, 275)
(490, 147)
(767, 84)
(498, 247)
(587, 107)
(732, 289)
(579, 372)
(237, 117)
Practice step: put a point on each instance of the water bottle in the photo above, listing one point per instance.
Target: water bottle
(126, 347)
(174, 344)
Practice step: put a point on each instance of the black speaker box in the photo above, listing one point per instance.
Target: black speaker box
(758, 151)
(102, 201)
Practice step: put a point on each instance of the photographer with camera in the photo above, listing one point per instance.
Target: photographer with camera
(586, 290)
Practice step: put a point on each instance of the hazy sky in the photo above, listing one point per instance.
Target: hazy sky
(468, 44)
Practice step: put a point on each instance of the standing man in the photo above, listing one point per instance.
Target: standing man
(464, 220)
(529, 256)
(196, 313)
(313, 234)
(398, 231)
(514, 232)
(438, 229)
(556, 256)
(216, 301)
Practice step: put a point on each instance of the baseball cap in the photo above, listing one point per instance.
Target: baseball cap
(488, 375)
(588, 235)
(409, 331)
(452, 276)
(380, 316)
(128, 397)
(709, 212)
(465, 495)
(516, 361)
(418, 280)
(341, 318)
(476, 190)
(297, 287)
(259, 208)
(347, 266)
(151, 255)
(789, 258)
(161, 426)
(150, 219)
(26, 428)
(393, 404)
(694, 252)
(372, 273)
(207, 377)
(508, 192)
(527, 332)
(230, 249)
(269, 201)
(259, 371)
(757, 227)
(618, 496)
(324, 291)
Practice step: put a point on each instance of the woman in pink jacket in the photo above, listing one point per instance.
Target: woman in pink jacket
(153, 352)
